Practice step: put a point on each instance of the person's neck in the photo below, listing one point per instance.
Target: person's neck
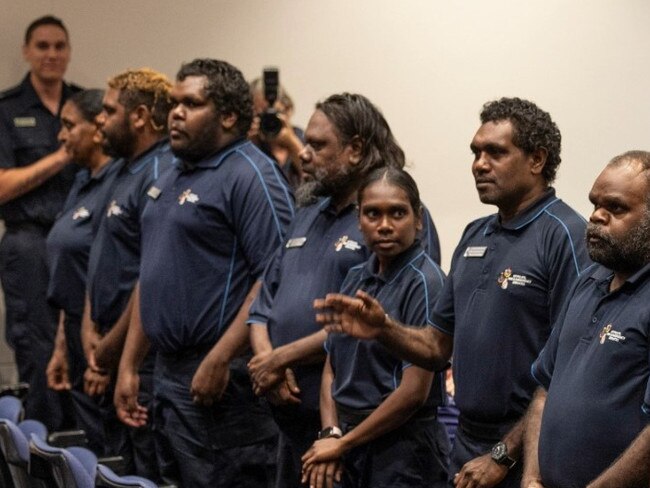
(97, 162)
(143, 143)
(509, 212)
(343, 199)
(48, 91)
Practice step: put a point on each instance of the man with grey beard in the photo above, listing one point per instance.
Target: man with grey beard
(347, 137)
(588, 423)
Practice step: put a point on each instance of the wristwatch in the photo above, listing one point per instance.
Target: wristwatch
(332, 431)
(500, 456)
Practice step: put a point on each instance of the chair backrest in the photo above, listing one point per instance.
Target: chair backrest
(64, 468)
(106, 478)
(15, 452)
(11, 408)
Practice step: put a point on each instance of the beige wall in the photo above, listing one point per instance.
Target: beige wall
(428, 64)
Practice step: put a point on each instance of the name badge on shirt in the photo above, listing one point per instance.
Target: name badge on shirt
(154, 192)
(475, 252)
(296, 242)
(25, 121)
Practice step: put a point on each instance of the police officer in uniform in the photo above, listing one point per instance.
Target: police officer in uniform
(35, 177)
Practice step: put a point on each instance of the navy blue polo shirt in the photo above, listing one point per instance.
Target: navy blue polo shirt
(28, 132)
(596, 368)
(366, 372)
(506, 286)
(69, 240)
(321, 246)
(114, 263)
(206, 239)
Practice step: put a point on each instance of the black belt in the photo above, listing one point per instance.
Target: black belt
(353, 417)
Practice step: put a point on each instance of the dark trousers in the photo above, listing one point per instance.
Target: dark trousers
(413, 455)
(136, 446)
(30, 322)
(88, 414)
(230, 444)
(467, 447)
(298, 430)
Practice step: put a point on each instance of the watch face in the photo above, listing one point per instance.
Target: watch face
(498, 451)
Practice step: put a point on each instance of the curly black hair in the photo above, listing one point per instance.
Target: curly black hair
(225, 86)
(532, 129)
(353, 115)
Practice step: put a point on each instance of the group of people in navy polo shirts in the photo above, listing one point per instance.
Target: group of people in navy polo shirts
(171, 293)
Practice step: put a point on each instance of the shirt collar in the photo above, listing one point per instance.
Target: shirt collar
(325, 206)
(214, 160)
(31, 98)
(139, 163)
(603, 276)
(400, 263)
(526, 216)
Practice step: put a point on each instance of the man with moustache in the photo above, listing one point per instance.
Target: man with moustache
(35, 177)
(509, 277)
(588, 423)
(347, 138)
(207, 232)
(134, 125)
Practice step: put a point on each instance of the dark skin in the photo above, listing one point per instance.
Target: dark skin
(323, 158)
(512, 180)
(619, 196)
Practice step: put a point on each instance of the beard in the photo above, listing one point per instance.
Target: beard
(120, 143)
(627, 254)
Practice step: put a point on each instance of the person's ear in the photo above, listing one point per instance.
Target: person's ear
(356, 146)
(538, 160)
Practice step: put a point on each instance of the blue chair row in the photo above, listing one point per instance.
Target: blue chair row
(29, 461)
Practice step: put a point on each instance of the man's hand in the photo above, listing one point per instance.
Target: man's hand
(57, 372)
(480, 472)
(95, 383)
(286, 393)
(265, 372)
(128, 410)
(362, 316)
(322, 475)
(209, 381)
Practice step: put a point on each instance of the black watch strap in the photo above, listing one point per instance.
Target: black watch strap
(500, 456)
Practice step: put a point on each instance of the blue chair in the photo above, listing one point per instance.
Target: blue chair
(62, 468)
(11, 408)
(106, 478)
(15, 449)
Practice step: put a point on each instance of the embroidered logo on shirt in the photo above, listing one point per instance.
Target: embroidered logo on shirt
(114, 209)
(609, 334)
(188, 196)
(347, 243)
(81, 213)
(507, 276)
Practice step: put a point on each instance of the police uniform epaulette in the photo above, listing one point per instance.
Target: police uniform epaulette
(11, 92)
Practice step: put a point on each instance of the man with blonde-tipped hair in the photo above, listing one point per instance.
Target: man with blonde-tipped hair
(134, 125)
